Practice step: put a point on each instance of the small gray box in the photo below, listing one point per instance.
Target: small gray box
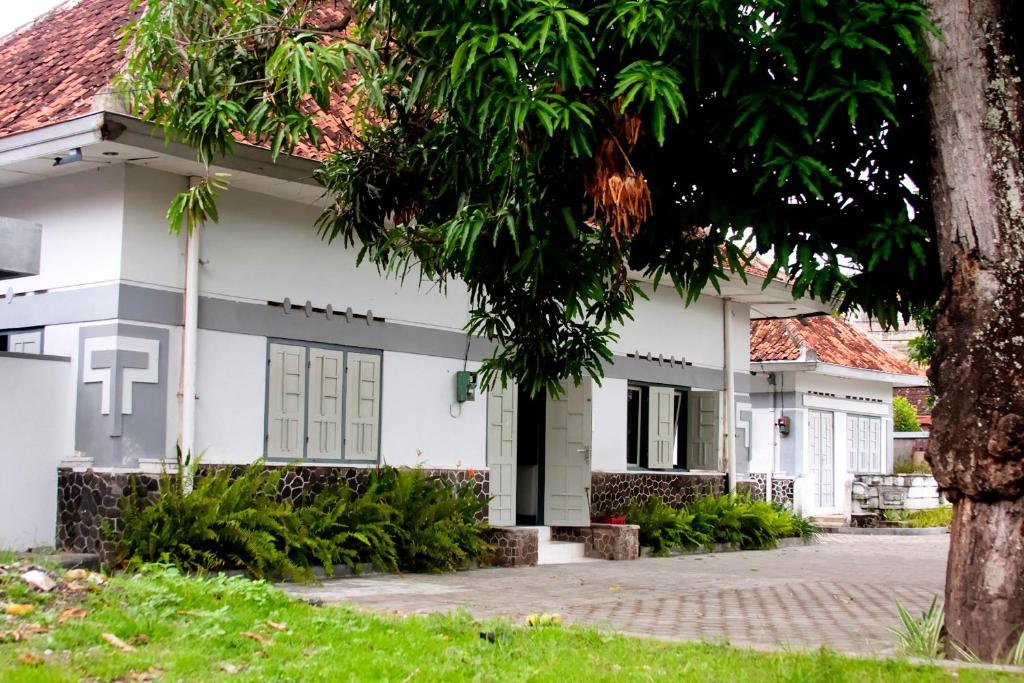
(891, 497)
(21, 244)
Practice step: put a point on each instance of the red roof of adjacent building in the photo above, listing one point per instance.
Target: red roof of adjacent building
(833, 340)
(52, 68)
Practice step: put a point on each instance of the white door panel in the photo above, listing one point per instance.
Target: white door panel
(823, 470)
(567, 452)
(502, 407)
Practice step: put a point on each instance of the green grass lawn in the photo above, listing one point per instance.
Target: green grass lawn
(190, 629)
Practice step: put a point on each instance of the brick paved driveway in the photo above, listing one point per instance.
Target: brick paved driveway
(840, 592)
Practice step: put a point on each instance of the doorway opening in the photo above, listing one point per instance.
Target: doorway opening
(530, 459)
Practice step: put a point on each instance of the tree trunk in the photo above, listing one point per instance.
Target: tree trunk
(977, 442)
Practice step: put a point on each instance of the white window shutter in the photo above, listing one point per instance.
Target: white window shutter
(325, 395)
(660, 427)
(286, 405)
(362, 407)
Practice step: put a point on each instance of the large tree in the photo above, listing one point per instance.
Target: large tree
(977, 443)
(545, 151)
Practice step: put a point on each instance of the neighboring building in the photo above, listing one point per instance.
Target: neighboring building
(831, 387)
(296, 354)
(893, 340)
(920, 398)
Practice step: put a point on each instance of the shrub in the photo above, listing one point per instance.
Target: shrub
(715, 519)
(904, 415)
(433, 524)
(224, 523)
(347, 531)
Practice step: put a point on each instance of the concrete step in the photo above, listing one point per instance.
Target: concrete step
(560, 552)
(828, 521)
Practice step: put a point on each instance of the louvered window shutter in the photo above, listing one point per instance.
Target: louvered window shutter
(660, 427)
(286, 406)
(362, 407)
(324, 429)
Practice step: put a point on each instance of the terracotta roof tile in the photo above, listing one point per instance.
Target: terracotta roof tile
(52, 68)
(832, 339)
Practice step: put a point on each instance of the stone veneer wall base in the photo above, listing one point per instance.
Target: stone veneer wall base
(612, 492)
(603, 541)
(89, 503)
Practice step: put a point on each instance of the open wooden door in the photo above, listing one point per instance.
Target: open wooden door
(502, 413)
(567, 451)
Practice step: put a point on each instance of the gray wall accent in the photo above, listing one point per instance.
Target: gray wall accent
(57, 308)
(21, 244)
(146, 304)
(34, 356)
(642, 370)
(149, 305)
(118, 439)
(271, 321)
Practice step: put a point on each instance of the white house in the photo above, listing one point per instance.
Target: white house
(822, 408)
(254, 338)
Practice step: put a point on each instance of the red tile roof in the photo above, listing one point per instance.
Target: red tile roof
(833, 340)
(52, 68)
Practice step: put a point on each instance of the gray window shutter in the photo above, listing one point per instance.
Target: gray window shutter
(324, 428)
(660, 427)
(362, 407)
(703, 433)
(286, 404)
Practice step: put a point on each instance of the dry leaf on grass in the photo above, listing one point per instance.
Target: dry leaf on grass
(139, 639)
(72, 613)
(262, 640)
(228, 667)
(30, 658)
(117, 642)
(76, 574)
(276, 626)
(39, 580)
(149, 675)
(19, 610)
(37, 628)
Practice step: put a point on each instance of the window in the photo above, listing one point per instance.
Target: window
(323, 403)
(864, 443)
(656, 427)
(22, 341)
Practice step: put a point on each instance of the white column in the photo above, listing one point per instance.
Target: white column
(189, 352)
(730, 397)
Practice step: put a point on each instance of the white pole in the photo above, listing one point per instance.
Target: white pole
(190, 343)
(730, 396)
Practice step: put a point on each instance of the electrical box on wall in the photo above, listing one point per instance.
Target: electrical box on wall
(783, 425)
(465, 386)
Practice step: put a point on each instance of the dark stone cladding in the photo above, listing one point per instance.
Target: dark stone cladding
(757, 483)
(612, 492)
(603, 541)
(89, 503)
(513, 546)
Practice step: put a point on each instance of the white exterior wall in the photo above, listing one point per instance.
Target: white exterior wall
(267, 249)
(37, 424)
(81, 215)
(232, 390)
(609, 424)
(421, 422)
(664, 325)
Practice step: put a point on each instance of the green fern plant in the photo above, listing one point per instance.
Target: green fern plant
(226, 522)
(348, 531)
(434, 524)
